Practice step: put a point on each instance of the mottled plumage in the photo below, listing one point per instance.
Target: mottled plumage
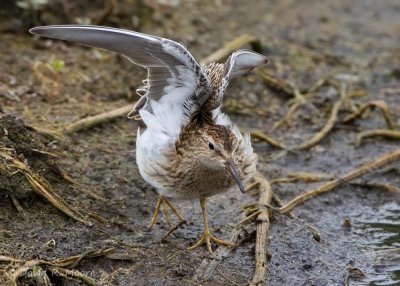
(190, 149)
(190, 160)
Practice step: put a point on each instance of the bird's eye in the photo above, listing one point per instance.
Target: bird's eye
(210, 145)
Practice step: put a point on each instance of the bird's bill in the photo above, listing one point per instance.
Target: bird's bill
(230, 165)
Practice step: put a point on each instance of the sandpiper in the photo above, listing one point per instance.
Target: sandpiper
(190, 149)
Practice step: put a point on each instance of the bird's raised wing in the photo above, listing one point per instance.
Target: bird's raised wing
(239, 63)
(175, 78)
(242, 62)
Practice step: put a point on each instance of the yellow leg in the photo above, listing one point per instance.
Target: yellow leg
(165, 210)
(207, 237)
(181, 219)
(156, 212)
(166, 204)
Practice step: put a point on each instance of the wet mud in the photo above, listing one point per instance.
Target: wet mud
(45, 85)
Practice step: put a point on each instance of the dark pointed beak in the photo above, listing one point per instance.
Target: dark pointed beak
(230, 165)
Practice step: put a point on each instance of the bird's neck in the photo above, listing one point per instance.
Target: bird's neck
(201, 118)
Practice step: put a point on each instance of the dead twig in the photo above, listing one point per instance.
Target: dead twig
(276, 83)
(62, 272)
(41, 187)
(4, 258)
(173, 229)
(60, 267)
(380, 104)
(287, 119)
(382, 186)
(316, 234)
(52, 133)
(72, 261)
(96, 119)
(251, 186)
(269, 140)
(302, 176)
(298, 100)
(18, 206)
(392, 134)
(333, 117)
(251, 214)
(281, 85)
(232, 46)
(365, 168)
(262, 230)
(312, 178)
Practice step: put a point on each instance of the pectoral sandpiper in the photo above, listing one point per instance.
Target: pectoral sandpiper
(190, 149)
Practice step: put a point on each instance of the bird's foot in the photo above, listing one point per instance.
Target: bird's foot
(206, 238)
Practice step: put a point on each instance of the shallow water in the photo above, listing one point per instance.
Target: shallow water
(382, 243)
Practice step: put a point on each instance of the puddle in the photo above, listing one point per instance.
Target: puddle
(382, 244)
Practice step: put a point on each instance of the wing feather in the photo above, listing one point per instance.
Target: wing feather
(239, 63)
(242, 62)
(174, 75)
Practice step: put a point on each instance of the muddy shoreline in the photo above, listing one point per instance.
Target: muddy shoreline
(49, 84)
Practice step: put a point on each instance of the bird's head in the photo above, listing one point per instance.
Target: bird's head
(217, 150)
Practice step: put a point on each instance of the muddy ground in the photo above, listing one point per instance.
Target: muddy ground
(50, 84)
